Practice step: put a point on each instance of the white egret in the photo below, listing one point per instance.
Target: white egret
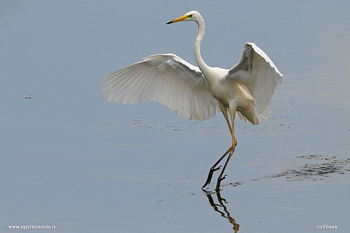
(198, 92)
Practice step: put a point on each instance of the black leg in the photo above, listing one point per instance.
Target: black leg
(221, 176)
(214, 168)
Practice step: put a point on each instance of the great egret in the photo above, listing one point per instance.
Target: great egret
(198, 92)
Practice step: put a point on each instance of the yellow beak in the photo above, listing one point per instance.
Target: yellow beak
(182, 18)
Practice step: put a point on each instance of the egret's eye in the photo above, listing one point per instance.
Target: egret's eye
(189, 16)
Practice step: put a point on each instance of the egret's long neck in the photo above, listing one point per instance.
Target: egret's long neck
(197, 48)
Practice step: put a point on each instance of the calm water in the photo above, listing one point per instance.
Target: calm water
(72, 160)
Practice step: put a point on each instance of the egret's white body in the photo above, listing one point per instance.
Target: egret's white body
(199, 92)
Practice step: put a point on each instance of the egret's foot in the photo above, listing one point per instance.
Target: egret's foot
(210, 175)
(217, 189)
(214, 168)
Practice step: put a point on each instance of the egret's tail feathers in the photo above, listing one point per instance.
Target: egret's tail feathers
(258, 118)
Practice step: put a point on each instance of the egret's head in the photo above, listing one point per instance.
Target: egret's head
(190, 16)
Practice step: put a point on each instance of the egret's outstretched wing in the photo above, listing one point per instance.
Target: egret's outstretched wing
(260, 76)
(165, 78)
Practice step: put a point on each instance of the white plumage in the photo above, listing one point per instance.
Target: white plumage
(165, 78)
(180, 86)
(199, 92)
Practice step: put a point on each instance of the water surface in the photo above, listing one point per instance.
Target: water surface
(72, 160)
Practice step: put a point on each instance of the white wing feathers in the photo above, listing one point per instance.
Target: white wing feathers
(165, 78)
(180, 86)
(259, 74)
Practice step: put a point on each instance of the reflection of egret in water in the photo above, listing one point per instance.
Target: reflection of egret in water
(223, 213)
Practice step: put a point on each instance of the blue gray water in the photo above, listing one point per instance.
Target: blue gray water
(72, 160)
